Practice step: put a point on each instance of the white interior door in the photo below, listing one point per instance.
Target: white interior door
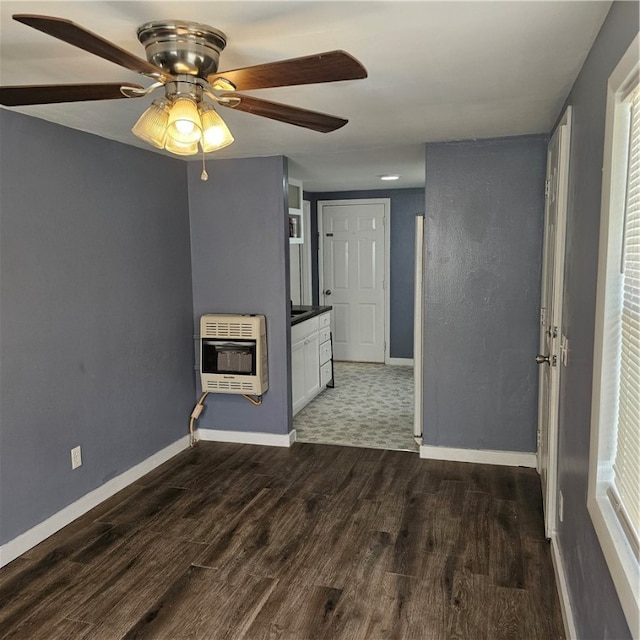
(549, 357)
(353, 250)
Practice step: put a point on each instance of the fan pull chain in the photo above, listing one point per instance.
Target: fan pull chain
(204, 176)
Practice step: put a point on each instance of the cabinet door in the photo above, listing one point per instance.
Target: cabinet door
(325, 352)
(298, 369)
(311, 366)
(325, 374)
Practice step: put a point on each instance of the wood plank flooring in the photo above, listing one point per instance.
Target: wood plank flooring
(242, 542)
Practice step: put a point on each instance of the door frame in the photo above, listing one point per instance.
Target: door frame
(386, 202)
(550, 491)
(305, 255)
(418, 329)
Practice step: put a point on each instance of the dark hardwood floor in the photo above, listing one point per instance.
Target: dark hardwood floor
(243, 542)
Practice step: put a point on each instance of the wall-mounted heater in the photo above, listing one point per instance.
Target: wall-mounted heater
(233, 354)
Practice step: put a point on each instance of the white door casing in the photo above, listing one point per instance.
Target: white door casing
(295, 274)
(418, 329)
(300, 262)
(353, 267)
(305, 255)
(550, 357)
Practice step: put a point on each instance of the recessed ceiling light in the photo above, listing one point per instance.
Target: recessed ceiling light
(389, 176)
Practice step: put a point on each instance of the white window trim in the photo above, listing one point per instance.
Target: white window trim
(618, 553)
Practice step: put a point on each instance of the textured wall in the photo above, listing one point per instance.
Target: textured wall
(96, 313)
(239, 245)
(405, 204)
(484, 217)
(594, 600)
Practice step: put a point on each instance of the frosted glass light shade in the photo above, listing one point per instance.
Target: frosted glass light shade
(215, 133)
(152, 124)
(184, 124)
(181, 148)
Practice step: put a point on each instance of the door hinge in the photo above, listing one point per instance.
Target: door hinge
(564, 350)
(547, 186)
(543, 316)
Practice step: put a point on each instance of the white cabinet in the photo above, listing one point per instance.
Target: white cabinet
(326, 355)
(310, 359)
(296, 232)
(311, 375)
(297, 377)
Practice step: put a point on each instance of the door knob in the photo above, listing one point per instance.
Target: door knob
(542, 359)
(327, 292)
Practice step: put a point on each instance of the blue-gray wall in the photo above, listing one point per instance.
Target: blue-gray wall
(484, 217)
(96, 313)
(240, 246)
(405, 204)
(597, 611)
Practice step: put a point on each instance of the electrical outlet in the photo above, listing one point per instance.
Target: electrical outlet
(76, 457)
(560, 506)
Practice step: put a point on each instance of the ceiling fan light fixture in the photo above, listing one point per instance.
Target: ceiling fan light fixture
(181, 148)
(222, 84)
(184, 125)
(182, 56)
(215, 133)
(152, 124)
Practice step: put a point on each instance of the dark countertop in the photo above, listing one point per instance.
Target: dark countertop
(300, 313)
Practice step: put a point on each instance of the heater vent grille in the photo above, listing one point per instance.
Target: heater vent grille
(230, 385)
(217, 329)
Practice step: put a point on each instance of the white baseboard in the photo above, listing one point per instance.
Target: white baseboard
(481, 456)
(29, 539)
(248, 437)
(402, 362)
(563, 591)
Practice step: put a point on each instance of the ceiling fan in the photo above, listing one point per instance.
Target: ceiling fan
(182, 57)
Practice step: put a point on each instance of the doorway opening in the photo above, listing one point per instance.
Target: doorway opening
(372, 402)
(370, 406)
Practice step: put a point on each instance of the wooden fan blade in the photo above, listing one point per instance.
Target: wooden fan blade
(322, 122)
(78, 36)
(322, 67)
(49, 93)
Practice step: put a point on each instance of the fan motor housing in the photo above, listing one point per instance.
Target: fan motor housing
(181, 47)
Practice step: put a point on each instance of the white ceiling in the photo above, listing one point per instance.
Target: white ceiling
(437, 71)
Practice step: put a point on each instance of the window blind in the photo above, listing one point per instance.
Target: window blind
(626, 463)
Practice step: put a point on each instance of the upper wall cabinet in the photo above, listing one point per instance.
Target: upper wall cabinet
(295, 212)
